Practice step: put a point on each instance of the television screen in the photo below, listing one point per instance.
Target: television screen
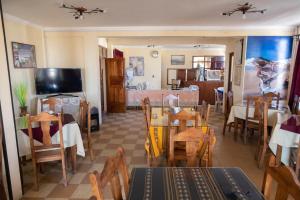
(58, 80)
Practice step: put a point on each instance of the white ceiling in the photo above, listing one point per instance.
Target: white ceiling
(124, 13)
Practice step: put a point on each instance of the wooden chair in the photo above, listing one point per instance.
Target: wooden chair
(51, 102)
(287, 183)
(263, 139)
(253, 123)
(151, 146)
(218, 100)
(46, 152)
(110, 174)
(204, 111)
(205, 154)
(296, 105)
(273, 96)
(85, 125)
(182, 117)
(191, 137)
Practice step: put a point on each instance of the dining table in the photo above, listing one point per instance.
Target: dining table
(71, 135)
(285, 136)
(238, 110)
(170, 183)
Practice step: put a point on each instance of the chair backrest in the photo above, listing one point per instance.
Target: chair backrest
(296, 105)
(257, 102)
(271, 96)
(206, 149)
(114, 166)
(287, 182)
(205, 112)
(146, 107)
(165, 103)
(52, 102)
(85, 117)
(45, 120)
(191, 137)
(182, 117)
(217, 95)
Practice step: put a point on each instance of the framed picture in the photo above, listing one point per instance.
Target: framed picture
(177, 60)
(267, 67)
(23, 55)
(137, 64)
(239, 51)
(237, 75)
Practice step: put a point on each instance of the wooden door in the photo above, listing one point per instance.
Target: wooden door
(115, 85)
(102, 56)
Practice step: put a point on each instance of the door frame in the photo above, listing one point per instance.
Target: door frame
(230, 66)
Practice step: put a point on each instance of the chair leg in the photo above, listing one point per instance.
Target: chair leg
(63, 164)
(91, 152)
(36, 176)
(235, 128)
(224, 126)
(262, 156)
(73, 158)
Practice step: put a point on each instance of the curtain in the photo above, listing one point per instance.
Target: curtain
(295, 87)
(118, 54)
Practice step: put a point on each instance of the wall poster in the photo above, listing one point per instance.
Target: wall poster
(137, 63)
(267, 67)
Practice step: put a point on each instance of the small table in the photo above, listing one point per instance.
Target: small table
(71, 135)
(191, 183)
(283, 139)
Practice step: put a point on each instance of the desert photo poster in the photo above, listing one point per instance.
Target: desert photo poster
(268, 60)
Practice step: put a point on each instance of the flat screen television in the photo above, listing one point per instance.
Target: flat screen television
(58, 80)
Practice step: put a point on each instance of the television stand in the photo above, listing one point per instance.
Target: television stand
(62, 95)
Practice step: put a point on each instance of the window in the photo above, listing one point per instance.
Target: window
(208, 62)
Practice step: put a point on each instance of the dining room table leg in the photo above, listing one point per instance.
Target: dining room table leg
(74, 158)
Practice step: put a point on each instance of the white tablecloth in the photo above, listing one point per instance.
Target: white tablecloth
(71, 135)
(286, 139)
(239, 111)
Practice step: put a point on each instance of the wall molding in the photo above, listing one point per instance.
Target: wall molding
(22, 21)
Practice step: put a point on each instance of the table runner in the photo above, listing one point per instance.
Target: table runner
(292, 124)
(191, 183)
(37, 133)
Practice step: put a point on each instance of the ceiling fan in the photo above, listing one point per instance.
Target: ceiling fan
(244, 8)
(78, 12)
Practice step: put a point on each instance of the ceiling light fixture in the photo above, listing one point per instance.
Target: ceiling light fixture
(245, 8)
(78, 12)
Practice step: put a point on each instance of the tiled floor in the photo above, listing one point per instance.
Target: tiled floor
(127, 130)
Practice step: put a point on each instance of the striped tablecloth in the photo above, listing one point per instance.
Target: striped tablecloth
(191, 183)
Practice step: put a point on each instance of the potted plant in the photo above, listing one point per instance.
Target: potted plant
(21, 94)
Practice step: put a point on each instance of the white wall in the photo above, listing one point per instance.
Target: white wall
(152, 66)
(78, 49)
(8, 122)
(24, 33)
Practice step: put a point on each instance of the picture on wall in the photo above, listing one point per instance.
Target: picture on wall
(267, 67)
(137, 64)
(23, 55)
(177, 60)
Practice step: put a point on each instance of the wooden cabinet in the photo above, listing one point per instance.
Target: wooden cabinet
(206, 89)
(115, 85)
